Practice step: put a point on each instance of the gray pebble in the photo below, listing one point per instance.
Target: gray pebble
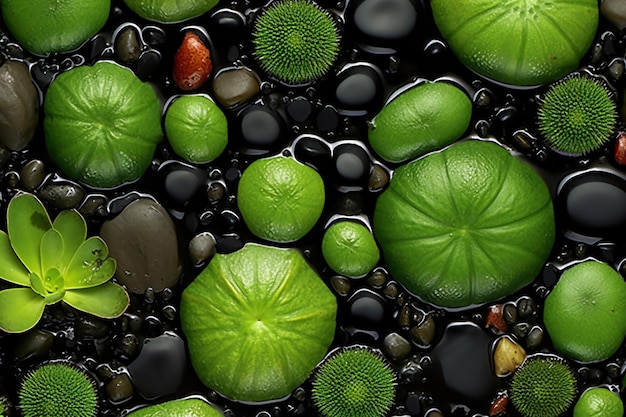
(142, 239)
(182, 184)
(32, 174)
(534, 338)
(509, 313)
(63, 195)
(396, 346)
(615, 12)
(356, 90)
(259, 126)
(385, 19)
(201, 247)
(351, 162)
(94, 205)
(19, 106)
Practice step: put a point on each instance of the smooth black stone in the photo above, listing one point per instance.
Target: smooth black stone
(228, 22)
(351, 162)
(313, 152)
(367, 308)
(182, 184)
(461, 362)
(148, 64)
(260, 126)
(158, 370)
(385, 19)
(327, 119)
(299, 109)
(359, 87)
(596, 203)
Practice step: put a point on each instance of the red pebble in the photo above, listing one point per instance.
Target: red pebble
(620, 149)
(192, 63)
(495, 318)
(498, 406)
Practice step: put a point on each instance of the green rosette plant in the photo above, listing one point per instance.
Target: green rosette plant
(465, 226)
(53, 262)
(257, 322)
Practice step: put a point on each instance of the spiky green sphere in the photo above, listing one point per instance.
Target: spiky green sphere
(544, 386)
(58, 389)
(577, 115)
(354, 382)
(295, 41)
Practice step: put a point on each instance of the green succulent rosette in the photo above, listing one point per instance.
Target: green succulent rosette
(257, 322)
(465, 226)
(101, 124)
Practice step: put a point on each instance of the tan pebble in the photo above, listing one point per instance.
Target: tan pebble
(508, 356)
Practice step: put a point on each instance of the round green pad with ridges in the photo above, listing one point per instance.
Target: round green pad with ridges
(257, 322)
(102, 124)
(517, 42)
(466, 225)
(170, 11)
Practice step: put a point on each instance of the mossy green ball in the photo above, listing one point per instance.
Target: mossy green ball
(577, 115)
(196, 128)
(349, 248)
(585, 313)
(59, 389)
(295, 41)
(523, 43)
(543, 386)
(354, 382)
(101, 124)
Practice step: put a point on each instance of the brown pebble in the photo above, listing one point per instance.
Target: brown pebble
(201, 247)
(423, 333)
(33, 344)
(377, 278)
(341, 285)
(119, 388)
(32, 174)
(234, 87)
(19, 106)
(396, 346)
(509, 312)
(62, 195)
(379, 178)
(127, 46)
(404, 316)
(534, 338)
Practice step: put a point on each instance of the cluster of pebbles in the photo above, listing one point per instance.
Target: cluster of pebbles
(141, 358)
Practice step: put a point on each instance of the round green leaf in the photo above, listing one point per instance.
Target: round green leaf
(426, 117)
(518, 42)
(349, 248)
(102, 124)
(190, 407)
(20, 309)
(466, 225)
(169, 11)
(257, 322)
(585, 314)
(280, 199)
(196, 128)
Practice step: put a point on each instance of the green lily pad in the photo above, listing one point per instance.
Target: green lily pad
(190, 407)
(585, 314)
(257, 322)
(170, 11)
(464, 226)
(516, 42)
(421, 119)
(101, 124)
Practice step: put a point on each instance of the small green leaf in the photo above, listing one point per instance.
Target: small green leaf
(90, 265)
(11, 268)
(73, 229)
(20, 309)
(37, 285)
(51, 251)
(108, 300)
(27, 222)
